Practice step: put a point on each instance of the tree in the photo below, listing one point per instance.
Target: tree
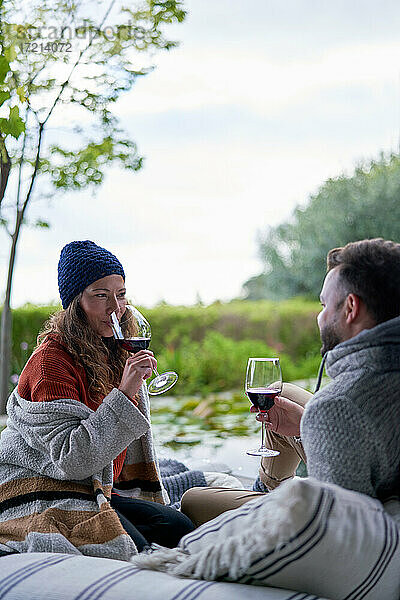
(62, 57)
(11, 124)
(345, 209)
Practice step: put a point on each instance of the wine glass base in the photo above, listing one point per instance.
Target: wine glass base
(263, 452)
(162, 383)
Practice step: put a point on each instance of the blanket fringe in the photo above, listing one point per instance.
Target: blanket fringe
(160, 558)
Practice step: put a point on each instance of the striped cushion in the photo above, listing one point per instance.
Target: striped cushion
(305, 535)
(69, 577)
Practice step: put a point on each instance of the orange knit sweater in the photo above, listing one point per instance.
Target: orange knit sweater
(52, 373)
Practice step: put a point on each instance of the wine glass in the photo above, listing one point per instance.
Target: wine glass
(133, 333)
(263, 384)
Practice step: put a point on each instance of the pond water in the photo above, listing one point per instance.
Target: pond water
(212, 450)
(197, 431)
(218, 428)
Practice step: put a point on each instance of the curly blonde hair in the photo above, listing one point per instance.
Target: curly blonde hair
(102, 358)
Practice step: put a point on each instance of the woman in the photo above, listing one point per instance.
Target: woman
(79, 427)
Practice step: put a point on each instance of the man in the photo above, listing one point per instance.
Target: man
(349, 430)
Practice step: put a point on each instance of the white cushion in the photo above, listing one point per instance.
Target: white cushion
(214, 479)
(46, 576)
(305, 536)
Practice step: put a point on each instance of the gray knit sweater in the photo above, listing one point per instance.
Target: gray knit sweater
(351, 428)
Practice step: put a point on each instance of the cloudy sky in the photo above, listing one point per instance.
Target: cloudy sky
(262, 101)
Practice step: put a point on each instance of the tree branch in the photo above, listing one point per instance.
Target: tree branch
(78, 60)
(5, 166)
(21, 212)
(21, 161)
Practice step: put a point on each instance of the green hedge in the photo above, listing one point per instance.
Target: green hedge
(209, 346)
(289, 326)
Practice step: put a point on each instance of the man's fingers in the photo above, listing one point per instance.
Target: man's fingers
(283, 402)
(263, 418)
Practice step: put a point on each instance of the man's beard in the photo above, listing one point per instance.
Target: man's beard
(330, 337)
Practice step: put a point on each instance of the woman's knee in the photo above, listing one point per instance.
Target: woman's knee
(181, 523)
(170, 527)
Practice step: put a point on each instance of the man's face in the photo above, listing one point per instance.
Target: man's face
(330, 319)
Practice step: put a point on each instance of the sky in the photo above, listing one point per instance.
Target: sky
(261, 103)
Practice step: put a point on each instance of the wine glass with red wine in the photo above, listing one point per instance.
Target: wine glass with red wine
(263, 384)
(133, 333)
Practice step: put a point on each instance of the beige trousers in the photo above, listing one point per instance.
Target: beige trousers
(203, 504)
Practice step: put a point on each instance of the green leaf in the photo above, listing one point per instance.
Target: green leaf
(21, 94)
(42, 224)
(4, 67)
(14, 125)
(10, 53)
(4, 96)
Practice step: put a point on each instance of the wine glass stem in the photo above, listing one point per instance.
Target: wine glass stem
(262, 435)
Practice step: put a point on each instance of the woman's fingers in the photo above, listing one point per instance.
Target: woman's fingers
(142, 359)
(138, 367)
(141, 354)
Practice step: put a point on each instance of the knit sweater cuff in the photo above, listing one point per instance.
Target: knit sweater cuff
(127, 412)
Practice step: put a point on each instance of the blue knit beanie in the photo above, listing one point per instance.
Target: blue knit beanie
(82, 263)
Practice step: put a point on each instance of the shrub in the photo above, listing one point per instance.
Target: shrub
(209, 346)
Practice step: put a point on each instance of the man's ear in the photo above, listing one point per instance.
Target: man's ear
(352, 308)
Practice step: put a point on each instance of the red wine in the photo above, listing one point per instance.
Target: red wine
(262, 398)
(134, 344)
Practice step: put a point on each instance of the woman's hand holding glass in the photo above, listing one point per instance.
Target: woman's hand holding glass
(133, 332)
(138, 368)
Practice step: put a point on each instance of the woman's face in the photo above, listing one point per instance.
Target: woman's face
(100, 299)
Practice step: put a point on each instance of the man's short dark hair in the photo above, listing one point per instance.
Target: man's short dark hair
(371, 270)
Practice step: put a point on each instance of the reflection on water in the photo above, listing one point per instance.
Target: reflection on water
(209, 455)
